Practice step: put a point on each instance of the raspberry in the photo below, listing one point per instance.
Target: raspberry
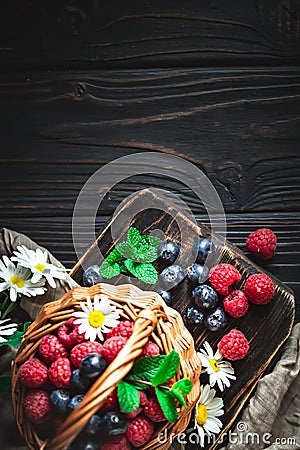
(143, 398)
(236, 304)
(259, 289)
(117, 443)
(37, 405)
(150, 349)
(222, 277)
(110, 402)
(124, 329)
(134, 413)
(263, 242)
(170, 383)
(153, 410)
(234, 345)
(84, 349)
(112, 346)
(33, 373)
(68, 334)
(50, 349)
(139, 431)
(60, 373)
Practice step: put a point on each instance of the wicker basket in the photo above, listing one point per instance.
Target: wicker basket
(152, 318)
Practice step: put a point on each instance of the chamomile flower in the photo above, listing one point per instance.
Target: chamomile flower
(218, 370)
(36, 262)
(96, 319)
(6, 330)
(17, 280)
(207, 411)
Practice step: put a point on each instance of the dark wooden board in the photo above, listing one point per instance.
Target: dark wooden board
(266, 327)
(97, 34)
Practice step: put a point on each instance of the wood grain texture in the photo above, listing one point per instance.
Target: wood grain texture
(93, 33)
(266, 327)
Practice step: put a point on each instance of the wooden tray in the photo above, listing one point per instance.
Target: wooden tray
(265, 326)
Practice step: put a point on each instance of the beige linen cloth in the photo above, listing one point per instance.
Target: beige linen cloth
(273, 413)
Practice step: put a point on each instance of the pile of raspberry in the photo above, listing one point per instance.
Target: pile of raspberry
(59, 375)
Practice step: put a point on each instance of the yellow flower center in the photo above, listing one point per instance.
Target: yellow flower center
(202, 414)
(40, 267)
(214, 365)
(96, 319)
(17, 281)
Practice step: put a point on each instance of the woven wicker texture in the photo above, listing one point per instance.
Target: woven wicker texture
(152, 318)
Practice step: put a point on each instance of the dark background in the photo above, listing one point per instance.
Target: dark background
(217, 83)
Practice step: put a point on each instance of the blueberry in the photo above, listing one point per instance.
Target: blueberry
(59, 399)
(74, 402)
(194, 316)
(168, 251)
(205, 296)
(94, 425)
(173, 274)
(201, 249)
(88, 445)
(197, 273)
(113, 424)
(92, 365)
(216, 320)
(92, 276)
(167, 296)
(78, 384)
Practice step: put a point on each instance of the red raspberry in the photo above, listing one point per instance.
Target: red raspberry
(60, 373)
(236, 304)
(143, 398)
(150, 349)
(153, 410)
(117, 443)
(170, 383)
(112, 346)
(234, 345)
(110, 402)
(134, 413)
(124, 329)
(68, 334)
(50, 349)
(139, 431)
(222, 277)
(259, 289)
(84, 349)
(33, 373)
(37, 405)
(263, 242)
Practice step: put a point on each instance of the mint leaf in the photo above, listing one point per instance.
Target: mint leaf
(167, 369)
(154, 242)
(134, 236)
(147, 255)
(128, 396)
(147, 273)
(113, 257)
(183, 386)
(145, 368)
(168, 404)
(5, 382)
(108, 270)
(126, 250)
(130, 266)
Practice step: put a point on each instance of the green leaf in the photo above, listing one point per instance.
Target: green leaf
(154, 242)
(130, 265)
(15, 339)
(134, 236)
(180, 389)
(167, 403)
(123, 267)
(128, 396)
(108, 270)
(114, 256)
(147, 255)
(5, 383)
(145, 368)
(126, 250)
(147, 273)
(167, 369)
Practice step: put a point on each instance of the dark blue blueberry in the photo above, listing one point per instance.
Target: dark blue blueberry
(173, 274)
(216, 320)
(74, 402)
(78, 383)
(205, 296)
(92, 276)
(93, 427)
(113, 424)
(60, 399)
(197, 273)
(168, 251)
(92, 365)
(88, 445)
(194, 316)
(201, 249)
(167, 296)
